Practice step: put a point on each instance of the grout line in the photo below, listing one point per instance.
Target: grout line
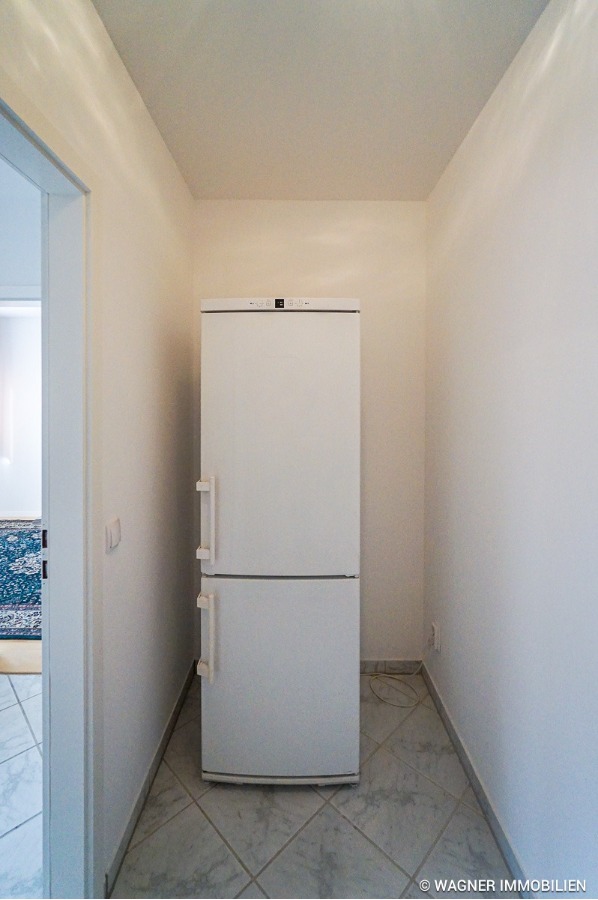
(374, 741)
(435, 843)
(456, 800)
(184, 787)
(211, 785)
(323, 803)
(24, 822)
(226, 842)
(423, 774)
(20, 703)
(133, 846)
(142, 841)
(255, 882)
(20, 752)
(296, 834)
(14, 693)
(29, 724)
(12, 675)
(372, 842)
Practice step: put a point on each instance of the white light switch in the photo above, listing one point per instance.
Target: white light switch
(112, 534)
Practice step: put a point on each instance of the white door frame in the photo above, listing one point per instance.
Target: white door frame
(70, 769)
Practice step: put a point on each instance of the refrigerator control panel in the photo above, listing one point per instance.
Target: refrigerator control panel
(281, 304)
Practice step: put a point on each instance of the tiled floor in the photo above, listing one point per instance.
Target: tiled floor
(20, 786)
(412, 817)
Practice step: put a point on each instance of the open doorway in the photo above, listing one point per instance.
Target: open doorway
(20, 534)
(67, 675)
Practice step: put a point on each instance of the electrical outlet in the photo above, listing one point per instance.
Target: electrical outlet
(435, 641)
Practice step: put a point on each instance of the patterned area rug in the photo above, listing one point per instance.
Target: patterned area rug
(20, 580)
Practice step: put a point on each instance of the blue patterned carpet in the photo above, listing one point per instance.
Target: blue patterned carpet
(20, 580)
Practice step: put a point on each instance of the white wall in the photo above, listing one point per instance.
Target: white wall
(20, 235)
(60, 73)
(20, 345)
(373, 251)
(512, 492)
(20, 414)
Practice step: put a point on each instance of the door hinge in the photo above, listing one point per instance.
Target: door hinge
(44, 569)
(45, 539)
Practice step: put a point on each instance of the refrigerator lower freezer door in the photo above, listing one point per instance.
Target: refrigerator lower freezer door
(284, 703)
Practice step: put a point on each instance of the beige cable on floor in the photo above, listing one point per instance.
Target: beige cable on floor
(390, 681)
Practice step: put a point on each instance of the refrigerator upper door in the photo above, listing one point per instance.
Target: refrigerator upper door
(283, 702)
(280, 435)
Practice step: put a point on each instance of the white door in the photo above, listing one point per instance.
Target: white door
(73, 867)
(284, 701)
(281, 435)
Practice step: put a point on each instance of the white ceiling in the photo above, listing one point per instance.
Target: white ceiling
(316, 99)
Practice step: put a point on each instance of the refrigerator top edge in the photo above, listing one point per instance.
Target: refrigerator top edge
(281, 304)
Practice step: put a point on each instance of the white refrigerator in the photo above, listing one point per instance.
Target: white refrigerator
(280, 504)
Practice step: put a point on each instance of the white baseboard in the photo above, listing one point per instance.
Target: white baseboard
(389, 666)
(496, 828)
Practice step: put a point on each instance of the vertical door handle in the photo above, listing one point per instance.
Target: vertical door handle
(209, 552)
(205, 667)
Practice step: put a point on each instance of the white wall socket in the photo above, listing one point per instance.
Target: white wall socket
(436, 636)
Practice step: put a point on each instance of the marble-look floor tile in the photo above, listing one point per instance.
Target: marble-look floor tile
(183, 858)
(378, 719)
(7, 695)
(183, 755)
(15, 734)
(422, 741)
(20, 789)
(329, 858)
(414, 892)
(166, 798)
(26, 686)
(410, 685)
(21, 861)
(252, 892)
(326, 791)
(399, 809)
(366, 747)
(467, 850)
(33, 711)
(257, 820)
